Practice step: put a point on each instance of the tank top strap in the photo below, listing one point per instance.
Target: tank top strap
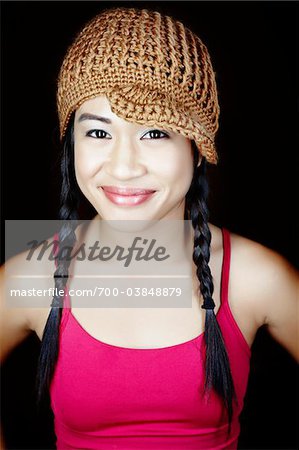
(225, 265)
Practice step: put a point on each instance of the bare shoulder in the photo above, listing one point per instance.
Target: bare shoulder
(266, 285)
(263, 289)
(256, 271)
(24, 286)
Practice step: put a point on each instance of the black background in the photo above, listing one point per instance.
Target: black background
(253, 190)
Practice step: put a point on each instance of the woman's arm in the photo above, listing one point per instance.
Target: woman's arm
(15, 325)
(14, 328)
(269, 286)
(280, 300)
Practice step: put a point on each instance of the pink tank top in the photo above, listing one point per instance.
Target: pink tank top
(105, 396)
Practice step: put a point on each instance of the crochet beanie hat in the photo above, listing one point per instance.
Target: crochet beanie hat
(152, 69)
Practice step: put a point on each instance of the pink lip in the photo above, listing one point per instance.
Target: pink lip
(126, 190)
(127, 196)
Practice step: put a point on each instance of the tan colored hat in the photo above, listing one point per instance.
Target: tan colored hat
(152, 69)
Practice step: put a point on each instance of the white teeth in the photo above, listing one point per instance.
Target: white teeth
(128, 192)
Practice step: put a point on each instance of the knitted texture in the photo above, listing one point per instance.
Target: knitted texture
(152, 69)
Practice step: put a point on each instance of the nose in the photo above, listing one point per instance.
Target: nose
(124, 162)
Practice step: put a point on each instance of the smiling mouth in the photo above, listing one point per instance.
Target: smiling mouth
(124, 196)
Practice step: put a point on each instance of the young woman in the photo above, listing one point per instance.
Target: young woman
(138, 111)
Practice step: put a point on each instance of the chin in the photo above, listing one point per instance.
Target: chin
(127, 216)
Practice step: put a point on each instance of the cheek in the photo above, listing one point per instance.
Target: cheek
(86, 164)
(176, 170)
(85, 168)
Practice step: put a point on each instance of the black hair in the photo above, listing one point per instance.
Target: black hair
(217, 368)
(68, 214)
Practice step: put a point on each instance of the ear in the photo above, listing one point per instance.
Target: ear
(199, 160)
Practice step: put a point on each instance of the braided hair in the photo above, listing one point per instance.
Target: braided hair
(68, 214)
(217, 368)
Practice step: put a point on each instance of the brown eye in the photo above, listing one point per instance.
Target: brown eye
(155, 134)
(98, 134)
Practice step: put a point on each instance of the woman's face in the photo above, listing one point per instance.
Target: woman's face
(129, 171)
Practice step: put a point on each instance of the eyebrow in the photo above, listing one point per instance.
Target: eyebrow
(87, 116)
